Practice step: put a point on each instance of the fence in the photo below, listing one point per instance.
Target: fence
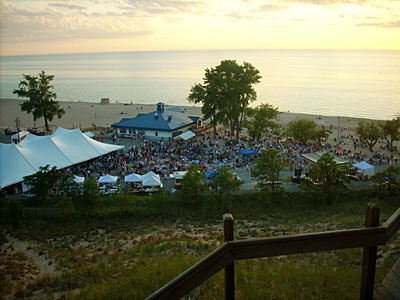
(224, 257)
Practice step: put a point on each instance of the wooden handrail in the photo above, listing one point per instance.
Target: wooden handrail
(309, 242)
(283, 245)
(195, 275)
(392, 225)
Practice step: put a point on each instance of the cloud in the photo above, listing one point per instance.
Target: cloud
(68, 6)
(165, 6)
(271, 8)
(327, 2)
(393, 24)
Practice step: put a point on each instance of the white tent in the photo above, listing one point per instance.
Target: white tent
(365, 167)
(62, 149)
(151, 179)
(89, 134)
(133, 178)
(108, 179)
(186, 135)
(79, 179)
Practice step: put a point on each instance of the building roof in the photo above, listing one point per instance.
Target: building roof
(159, 120)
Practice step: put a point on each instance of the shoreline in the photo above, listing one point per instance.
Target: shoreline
(86, 114)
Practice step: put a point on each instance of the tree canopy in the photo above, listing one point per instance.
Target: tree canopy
(304, 130)
(371, 132)
(224, 184)
(391, 131)
(226, 93)
(193, 183)
(42, 182)
(261, 119)
(42, 100)
(267, 168)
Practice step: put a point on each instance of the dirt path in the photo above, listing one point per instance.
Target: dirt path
(44, 265)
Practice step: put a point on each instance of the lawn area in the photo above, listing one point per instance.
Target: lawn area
(129, 246)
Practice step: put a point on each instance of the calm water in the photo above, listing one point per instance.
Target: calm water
(345, 83)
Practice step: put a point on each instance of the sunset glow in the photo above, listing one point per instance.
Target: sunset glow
(66, 26)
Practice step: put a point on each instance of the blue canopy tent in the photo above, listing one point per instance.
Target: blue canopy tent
(210, 173)
(247, 152)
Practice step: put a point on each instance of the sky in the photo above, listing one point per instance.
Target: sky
(74, 26)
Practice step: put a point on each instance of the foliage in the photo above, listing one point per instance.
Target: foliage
(91, 192)
(16, 213)
(193, 183)
(67, 186)
(388, 180)
(267, 168)
(42, 100)
(371, 132)
(226, 93)
(224, 184)
(65, 207)
(42, 183)
(391, 131)
(304, 130)
(261, 119)
(327, 174)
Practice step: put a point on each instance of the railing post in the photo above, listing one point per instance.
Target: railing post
(230, 269)
(369, 256)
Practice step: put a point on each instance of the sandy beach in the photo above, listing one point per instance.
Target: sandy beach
(87, 114)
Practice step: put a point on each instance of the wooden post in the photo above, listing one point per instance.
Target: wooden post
(230, 269)
(369, 256)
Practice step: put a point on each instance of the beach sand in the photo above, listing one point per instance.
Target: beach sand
(87, 114)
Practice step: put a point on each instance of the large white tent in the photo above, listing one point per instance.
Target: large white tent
(107, 179)
(62, 149)
(133, 178)
(365, 167)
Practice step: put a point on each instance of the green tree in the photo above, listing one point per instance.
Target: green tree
(388, 180)
(42, 183)
(42, 100)
(261, 119)
(329, 176)
(371, 132)
(304, 130)
(224, 184)
(68, 187)
(267, 168)
(91, 192)
(193, 183)
(227, 92)
(391, 131)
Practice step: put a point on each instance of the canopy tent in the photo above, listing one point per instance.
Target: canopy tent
(151, 179)
(62, 149)
(365, 167)
(108, 179)
(247, 152)
(79, 179)
(209, 174)
(186, 135)
(133, 178)
(89, 134)
(315, 156)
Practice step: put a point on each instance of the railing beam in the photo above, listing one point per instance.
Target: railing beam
(369, 256)
(230, 269)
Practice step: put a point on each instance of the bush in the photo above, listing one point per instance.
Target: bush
(65, 207)
(16, 213)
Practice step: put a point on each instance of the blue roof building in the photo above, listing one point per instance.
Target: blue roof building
(162, 123)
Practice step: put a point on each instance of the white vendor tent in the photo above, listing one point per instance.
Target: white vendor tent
(133, 178)
(62, 149)
(79, 179)
(315, 156)
(365, 167)
(108, 179)
(186, 135)
(151, 179)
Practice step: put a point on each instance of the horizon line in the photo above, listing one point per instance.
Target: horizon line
(196, 50)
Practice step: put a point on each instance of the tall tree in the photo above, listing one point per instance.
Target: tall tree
(370, 132)
(42, 100)
(267, 168)
(261, 119)
(391, 131)
(193, 183)
(224, 184)
(304, 130)
(227, 92)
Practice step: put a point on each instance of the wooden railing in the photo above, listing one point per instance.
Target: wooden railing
(224, 257)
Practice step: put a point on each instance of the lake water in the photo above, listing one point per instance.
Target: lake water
(347, 83)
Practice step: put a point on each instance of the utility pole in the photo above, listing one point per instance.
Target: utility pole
(17, 124)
